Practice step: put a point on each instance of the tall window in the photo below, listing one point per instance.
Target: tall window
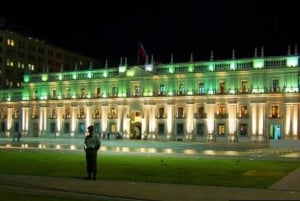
(54, 93)
(275, 85)
(200, 112)
(244, 86)
(161, 129)
(180, 112)
(222, 111)
(244, 111)
(161, 112)
(97, 92)
(162, 90)
(113, 112)
(200, 129)
(274, 111)
(136, 90)
(222, 87)
(82, 93)
(114, 91)
(221, 129)
(243, 129)
(180, 129)
(201, 88)
(68, 93)
(181, 89)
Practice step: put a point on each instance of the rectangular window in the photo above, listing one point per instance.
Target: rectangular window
(221, 129)
(180, 129)
(113, 112)
(161, 129)
(200, 112)
(162, 90)
(54, 93)
(244, 86)
(161, 112)
(52, 127)
(222, 87)
(243, 129)
(244, 112)
(114, 91)
(181, 89)
(136, 90)
(97, 92)
(180, 112)
(81, 127)
(200, 129)
(97, 128)
(222, 111)
(201, 88)
(275, 85)
(66, 127)
(82, 93)
(274, 111)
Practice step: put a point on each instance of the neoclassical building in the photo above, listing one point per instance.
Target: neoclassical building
(240, 99)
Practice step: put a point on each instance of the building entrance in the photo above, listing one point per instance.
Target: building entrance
(35, 129)
(135, 125)
(275, 132)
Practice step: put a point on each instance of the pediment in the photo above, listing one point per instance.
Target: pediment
(135, 71)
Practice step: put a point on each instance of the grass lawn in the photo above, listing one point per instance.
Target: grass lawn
(231, 172)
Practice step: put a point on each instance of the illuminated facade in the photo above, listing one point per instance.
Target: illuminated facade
(236, 100)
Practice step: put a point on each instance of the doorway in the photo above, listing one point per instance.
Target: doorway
(135, 125)
(275, 132)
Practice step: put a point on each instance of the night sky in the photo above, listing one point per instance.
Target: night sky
(111, 29)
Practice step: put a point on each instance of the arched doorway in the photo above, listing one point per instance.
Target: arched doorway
(135, 125)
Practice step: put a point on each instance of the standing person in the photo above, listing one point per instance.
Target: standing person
(19, 136)
(92, 144)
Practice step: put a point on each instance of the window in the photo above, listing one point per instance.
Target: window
(35, 96)
(274, 111)
(275, 85)
(136, 91)
(161, 112)
(221, 129)
(244, 112)
(114, 91)
(180, 112)
(66, 127)
(81, 128)
(113, 112)
(161, 129)
(222, 111)
(54, 93)
(243, 129)
(200, 112)
(162, 90)
(222, 87)
(97, 92)
(68, 93)
(52, 127)
(244, 86)
(181, 89)
(200, 129)
(201, 88)
(180, 129)
(82, 93)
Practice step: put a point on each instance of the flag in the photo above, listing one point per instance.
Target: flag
(142, 55)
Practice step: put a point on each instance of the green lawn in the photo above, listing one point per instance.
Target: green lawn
(229, 172)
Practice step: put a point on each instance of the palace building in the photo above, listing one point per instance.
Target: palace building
(235, 100)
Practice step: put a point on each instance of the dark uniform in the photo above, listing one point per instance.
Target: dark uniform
(91, 146)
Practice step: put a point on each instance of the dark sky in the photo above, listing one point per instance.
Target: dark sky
(111, 29)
